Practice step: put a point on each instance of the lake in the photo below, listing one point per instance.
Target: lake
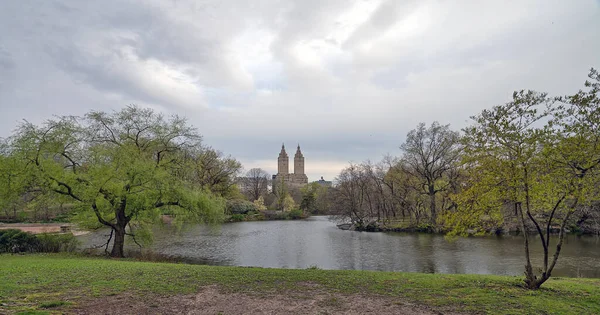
(317, 241)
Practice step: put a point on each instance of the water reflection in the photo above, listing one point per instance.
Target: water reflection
(317, 242)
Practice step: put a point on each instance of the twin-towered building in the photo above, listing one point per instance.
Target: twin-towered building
(297, 178)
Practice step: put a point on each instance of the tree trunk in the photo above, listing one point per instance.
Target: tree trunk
(432, 207)
(119, 229)
(119, 242)
(530, 278)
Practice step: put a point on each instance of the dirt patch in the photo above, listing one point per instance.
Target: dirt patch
(37, 228)
(211, 301)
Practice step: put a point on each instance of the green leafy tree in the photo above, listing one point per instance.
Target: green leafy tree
(281, 192)
(121, 169)
(288, 203)
(260, 204)
(503, 154)
(538, 156)
(309, 197)
(13, 185)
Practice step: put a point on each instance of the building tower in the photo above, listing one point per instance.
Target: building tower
(283, 162)
(298, 162)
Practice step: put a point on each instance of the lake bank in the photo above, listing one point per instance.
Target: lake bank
(72, 283)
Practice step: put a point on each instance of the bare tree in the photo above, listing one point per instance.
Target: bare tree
(212, 170)
(429, 154)
(255, 184)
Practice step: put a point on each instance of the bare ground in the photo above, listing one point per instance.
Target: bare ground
(211, 301)
(37, 228)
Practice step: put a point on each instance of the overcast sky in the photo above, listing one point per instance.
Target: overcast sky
(345, 79)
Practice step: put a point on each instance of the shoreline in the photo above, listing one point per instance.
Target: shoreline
(429, 230)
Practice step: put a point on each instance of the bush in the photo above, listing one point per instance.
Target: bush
(17, 241)
(295, 214)
(54, 243)
(237, 217)
(239, 206)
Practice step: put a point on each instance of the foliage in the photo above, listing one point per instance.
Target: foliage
(121, 169)
(17, 241)
(259, 204)
(55, 243)
(237, 217)
(288, 203)
(240, 206)
(533, 161)
(295, 214)
(212, 171)
(315, 198)
(98, 278)
(13, 185)
(535, 157)
(281, 191)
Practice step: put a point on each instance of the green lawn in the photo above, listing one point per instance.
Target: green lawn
(39, 283)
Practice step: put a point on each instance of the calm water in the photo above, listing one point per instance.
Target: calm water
(318, 242)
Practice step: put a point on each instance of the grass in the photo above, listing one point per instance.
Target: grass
(37, 283)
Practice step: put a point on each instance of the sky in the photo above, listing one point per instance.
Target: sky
(347, 80)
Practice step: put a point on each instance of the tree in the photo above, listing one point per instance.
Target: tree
(260, 204)
(429, 154)
(536, 157)
(288, 203)
(349, 196)
(280, 190)
(211, 170)
(310, 193)
(120, 169)
(12, 185)
(255, 184)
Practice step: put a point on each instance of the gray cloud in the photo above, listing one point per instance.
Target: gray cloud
(346, 79)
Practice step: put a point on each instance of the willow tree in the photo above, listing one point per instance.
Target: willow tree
(538, 156)
(13, 185)
(121, 169)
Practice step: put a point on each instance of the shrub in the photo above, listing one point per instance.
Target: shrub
(295, 214)
(17, 241)
(238, 206)
(237, 217)
(54, 243)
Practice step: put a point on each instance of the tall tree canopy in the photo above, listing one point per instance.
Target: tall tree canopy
(429, 155)
(121, 169)
(255, 184)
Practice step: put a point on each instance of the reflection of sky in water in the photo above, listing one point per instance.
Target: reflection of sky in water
(317, 242)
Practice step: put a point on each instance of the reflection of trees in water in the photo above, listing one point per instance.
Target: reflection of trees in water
(425, 245)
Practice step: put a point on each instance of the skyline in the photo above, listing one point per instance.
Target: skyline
(345, 80)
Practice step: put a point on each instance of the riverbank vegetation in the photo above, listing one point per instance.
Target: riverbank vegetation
(122, 170)
(70, 283)
(530, 165)
(242, 210)
(127, 170)
(16, 241)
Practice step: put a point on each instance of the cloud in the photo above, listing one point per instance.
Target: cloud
(345, 79)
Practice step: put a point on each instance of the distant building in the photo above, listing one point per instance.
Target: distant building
(298, 178)
(322, 182)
